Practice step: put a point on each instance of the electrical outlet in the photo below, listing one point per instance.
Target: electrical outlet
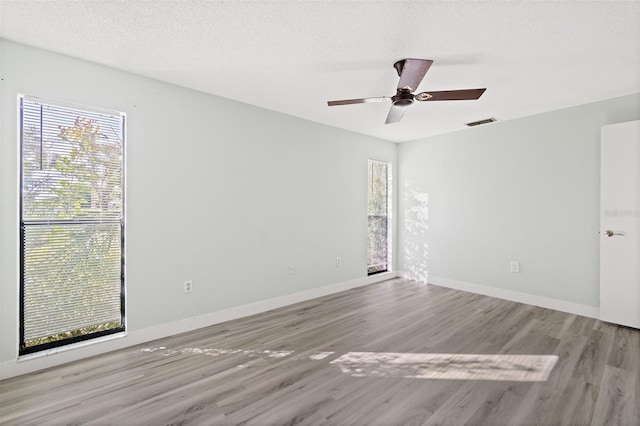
(292, 269)
(515, 266)
(188, 286)
(338, 262)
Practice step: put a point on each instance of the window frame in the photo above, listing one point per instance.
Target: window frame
(22, 348)
(389, 215)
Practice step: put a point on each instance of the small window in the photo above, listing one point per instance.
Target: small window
(378, 217)
(71, 224)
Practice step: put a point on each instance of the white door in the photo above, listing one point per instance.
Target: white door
(620, 224)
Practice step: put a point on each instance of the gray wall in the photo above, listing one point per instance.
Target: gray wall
(228, 195)
(525, 190)
(220, 192)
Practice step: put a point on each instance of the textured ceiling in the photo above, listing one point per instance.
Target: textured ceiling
(292, 57)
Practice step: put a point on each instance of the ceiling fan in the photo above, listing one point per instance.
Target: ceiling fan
(411, 73)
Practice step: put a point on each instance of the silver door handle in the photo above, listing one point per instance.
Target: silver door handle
(610, 233)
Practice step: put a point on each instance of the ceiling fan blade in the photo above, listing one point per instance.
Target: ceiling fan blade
(357, 101)
(412, 72)
(395, 115)
(450, 95)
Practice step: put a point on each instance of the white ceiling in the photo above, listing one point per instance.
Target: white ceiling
(292, 57)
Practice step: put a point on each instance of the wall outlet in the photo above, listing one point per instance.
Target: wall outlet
(292, 269)
(515, 266)
(338, 262)
(188, 286)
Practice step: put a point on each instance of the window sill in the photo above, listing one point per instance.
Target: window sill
(67, 348)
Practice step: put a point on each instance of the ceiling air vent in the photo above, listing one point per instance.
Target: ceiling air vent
(479, 122)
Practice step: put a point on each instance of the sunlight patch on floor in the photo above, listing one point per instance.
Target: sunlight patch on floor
(252, 353)
(320, 355)
(216, 352)
(517, 368)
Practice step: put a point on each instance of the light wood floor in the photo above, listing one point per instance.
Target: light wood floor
(377, 355)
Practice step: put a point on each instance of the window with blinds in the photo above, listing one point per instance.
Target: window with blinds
(378, 215)
(71, 224)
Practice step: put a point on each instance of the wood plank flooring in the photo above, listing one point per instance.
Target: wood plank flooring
(367, 356)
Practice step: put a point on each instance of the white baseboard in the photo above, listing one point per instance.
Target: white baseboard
(65, 354)
(514, 296)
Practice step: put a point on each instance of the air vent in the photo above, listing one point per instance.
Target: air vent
(479, 122)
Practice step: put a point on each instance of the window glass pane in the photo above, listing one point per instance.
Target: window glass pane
(377, 244)
(377, 188)
(72, 164)
(71, 280)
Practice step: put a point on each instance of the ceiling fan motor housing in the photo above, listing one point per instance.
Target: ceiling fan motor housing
(402, 99)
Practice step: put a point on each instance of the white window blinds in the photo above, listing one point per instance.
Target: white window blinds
(377, 215)
(72, 225)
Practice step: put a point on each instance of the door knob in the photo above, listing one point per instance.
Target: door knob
(610, 233)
